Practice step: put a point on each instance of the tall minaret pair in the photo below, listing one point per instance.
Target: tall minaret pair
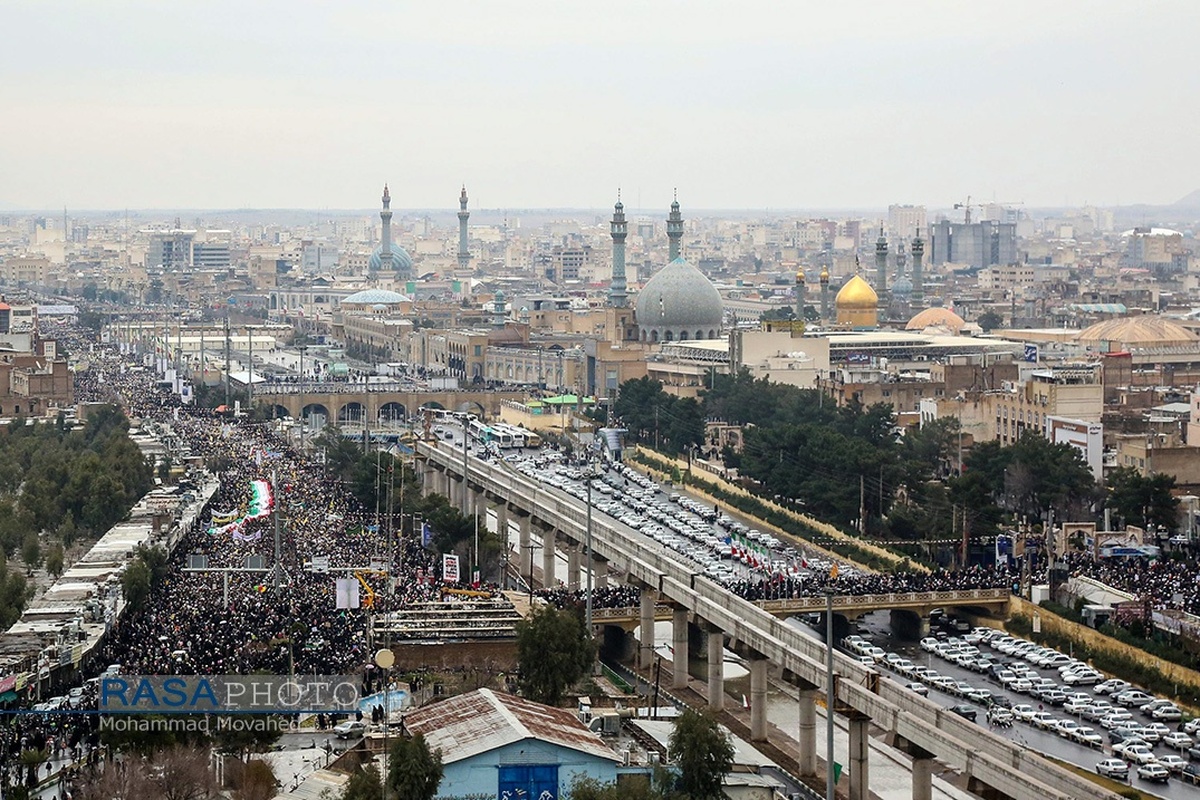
(464, 254)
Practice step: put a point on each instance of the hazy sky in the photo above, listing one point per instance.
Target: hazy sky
(790, 104)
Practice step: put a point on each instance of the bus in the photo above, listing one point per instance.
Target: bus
(487, 434)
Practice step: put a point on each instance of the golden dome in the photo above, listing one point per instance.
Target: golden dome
(1144, 330)
(857, 293)
(825, 275)
(800, 276)
(934, 317)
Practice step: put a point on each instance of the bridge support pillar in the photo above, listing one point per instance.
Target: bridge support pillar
(648, 601)
(523, 526)
(758, 698)
(549, 555)
(922, 778)
(502, 527)
(599, 573)
(860, 786)
(807, 739)
(679, 648)
(573, 567)
(716, 669)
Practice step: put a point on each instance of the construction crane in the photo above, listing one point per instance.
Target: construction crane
(966, 208)
(968, 205)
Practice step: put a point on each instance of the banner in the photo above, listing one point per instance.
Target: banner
(347, 593)
(449, 568)
(426, 535)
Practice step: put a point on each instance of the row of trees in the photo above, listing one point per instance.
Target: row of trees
(61, 485)
(72, 483)
(839, 462)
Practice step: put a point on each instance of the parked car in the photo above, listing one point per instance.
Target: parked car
(1138, 753)
(1087, 736)
(965, 711)
(1173, 763)
(1112, 686)
(1177, 740)
(1154, 772)
(1113, 768)
(919, 688)
(1132, 697)
(350, 729)
(1169, 713)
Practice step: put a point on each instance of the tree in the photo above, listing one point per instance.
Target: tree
(54, 559)
(257, 782)
(703, 753)
(554, 652)
(364, 784)
(182, 773)
(31, 552)
(989, 321)
(135, 583)
(1143, 500)
(414, 773)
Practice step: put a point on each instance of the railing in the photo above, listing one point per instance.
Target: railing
(891, 600)
(1007, 766)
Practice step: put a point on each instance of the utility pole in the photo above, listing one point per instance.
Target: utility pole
(862, 506)
(250, 379)
(303, 421)
(227, 379)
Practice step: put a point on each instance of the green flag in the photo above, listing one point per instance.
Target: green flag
(837, 772)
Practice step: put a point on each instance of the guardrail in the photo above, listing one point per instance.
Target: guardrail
(963, 745)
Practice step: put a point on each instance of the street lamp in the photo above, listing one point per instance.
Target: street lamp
(302, 420)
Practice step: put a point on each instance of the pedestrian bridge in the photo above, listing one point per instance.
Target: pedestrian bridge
(994, 767)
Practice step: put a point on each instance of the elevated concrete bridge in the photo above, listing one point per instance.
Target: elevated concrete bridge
(378, 402)
(994, 766)
(851, 606)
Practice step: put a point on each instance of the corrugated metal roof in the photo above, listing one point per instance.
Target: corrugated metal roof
(483, 720)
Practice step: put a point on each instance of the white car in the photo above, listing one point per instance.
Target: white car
(1115, 719)
(1131, 698)
(1138, 753)
(1169, 713)
(1081, 677)
(1153, 771)
(1112, 686)
(1023, 711)
(1173, 763)
(1177, 740)
(1043, 719)
(1113, 768)
(1087, 736)
(1066, 727)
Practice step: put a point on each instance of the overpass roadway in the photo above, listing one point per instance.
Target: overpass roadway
(926, 731)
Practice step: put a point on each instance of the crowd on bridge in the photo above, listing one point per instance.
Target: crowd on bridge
(811, 585)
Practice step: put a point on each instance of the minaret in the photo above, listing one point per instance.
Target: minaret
(498, 309)
(464, 255)
(674, 229)
(616, 287)
(825, 294)
(385, 247)
(801, 294)
(918, 252)
(881, 263)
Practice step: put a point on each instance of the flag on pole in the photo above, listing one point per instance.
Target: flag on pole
(833, 571)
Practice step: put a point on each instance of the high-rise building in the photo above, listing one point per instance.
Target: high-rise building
(904, 219)
(978, 244)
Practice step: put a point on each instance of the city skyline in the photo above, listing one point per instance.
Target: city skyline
(541, 106)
